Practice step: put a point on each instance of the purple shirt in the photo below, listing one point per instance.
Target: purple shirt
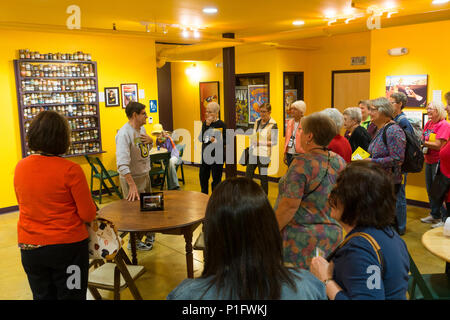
(168, 144)
(390, 157)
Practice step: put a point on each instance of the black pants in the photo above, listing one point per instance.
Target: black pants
(58, 272)
(397, 187)
(262, 168)
(205, 172)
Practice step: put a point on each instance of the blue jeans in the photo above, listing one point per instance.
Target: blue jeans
(400, 206)
(437, 209)
(172, 180)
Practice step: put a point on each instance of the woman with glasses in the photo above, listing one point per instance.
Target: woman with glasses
(302, 209)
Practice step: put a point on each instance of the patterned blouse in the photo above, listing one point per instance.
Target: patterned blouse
(390, 158)
(311, 226)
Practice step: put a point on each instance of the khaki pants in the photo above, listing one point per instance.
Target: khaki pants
(143, 185)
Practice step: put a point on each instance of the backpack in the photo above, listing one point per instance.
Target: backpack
(417, 128)
(414, 158)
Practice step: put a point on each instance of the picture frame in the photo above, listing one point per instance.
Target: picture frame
(129, 93)
(209, 92)
(425, 120)
(415, 116)
(112, 97)
(241, 104)
(257, 96)
(414, 86)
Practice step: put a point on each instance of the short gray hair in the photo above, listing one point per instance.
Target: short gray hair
(354, 113)
(383, 105)
(214, 106)
(300, 105)
(336, 116)
(440, 109)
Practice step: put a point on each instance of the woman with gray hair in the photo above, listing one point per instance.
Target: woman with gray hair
(356, 134)
(388, 152)
(435, 135)
(339, 144)
(292, 144)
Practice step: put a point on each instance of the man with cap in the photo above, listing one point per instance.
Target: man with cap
(163, 140)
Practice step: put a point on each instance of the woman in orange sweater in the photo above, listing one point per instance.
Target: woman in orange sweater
(54, 204)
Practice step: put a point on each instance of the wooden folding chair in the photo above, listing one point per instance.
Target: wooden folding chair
(159, 167)
(115, 276)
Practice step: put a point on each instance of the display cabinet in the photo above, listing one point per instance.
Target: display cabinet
(69, 87)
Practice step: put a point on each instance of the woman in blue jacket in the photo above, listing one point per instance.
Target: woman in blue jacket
(372, 262)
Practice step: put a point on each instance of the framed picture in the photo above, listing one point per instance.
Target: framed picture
(209, 92)
(415, 116)
(414, 86)
(257, 95)
(129, 93)
(425, 120)
(112, 97)
(241, 95)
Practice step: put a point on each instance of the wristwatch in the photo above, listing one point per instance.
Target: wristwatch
(327, 280)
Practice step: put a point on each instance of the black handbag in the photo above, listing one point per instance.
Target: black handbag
(439, 187)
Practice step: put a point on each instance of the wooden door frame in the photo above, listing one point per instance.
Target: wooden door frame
(342, 71)
(301, 75)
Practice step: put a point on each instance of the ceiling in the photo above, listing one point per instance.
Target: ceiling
(249, 20)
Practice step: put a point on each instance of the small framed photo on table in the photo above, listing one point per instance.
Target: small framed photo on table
(112, 97)
(152, 201)
(129, 93)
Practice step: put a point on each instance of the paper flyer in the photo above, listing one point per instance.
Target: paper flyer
(360, 154)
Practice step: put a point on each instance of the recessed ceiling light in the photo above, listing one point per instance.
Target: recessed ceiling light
(389, 5)
(298, 23)
(210, 10)
(185, 33)
(330, 13)
(439, 1)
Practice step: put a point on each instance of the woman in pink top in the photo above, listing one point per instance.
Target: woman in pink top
(292, 144)
(435, 134)
(444, 166)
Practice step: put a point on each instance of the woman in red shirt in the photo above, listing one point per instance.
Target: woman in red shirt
(339, 144)
(54, 205)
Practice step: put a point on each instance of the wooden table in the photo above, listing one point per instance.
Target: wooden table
(183, 213)
(438, 244)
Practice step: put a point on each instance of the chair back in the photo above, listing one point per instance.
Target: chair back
(102, 167)
(91, 162)
(158, 157)
(418, 279)
(180, 148)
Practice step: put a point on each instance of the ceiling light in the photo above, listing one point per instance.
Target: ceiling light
(298, 23)
(196, 34)
(440, 1)
(330, 13)
(185, 33)
(348, 11)
(389, 5)
(210, 10)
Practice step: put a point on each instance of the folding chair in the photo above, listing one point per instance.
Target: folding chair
(434, 286)
(103, 175)
(159, 166)
(115, 276)
(180, 148)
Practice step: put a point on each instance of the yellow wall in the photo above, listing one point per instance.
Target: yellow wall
(119, 60)
(428, 54)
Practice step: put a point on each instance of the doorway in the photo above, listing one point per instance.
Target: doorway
(348, 87)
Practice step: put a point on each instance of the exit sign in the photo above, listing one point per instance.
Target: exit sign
(356, 61)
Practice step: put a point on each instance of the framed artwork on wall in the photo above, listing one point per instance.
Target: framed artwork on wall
(241, 95)
(414, 86)
(129, 93)
(112, 97)
(425, 120)
(209, 92)
(415, 116)
(257, 95)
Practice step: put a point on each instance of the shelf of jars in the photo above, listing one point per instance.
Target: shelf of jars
(67, 84)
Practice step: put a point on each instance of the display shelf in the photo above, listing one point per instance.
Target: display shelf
(25, 116)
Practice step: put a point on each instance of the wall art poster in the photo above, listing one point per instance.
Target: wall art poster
(209, 92)
(257, 95)
(241, 95)
(112, 97)
(129, 93)
(414, 86)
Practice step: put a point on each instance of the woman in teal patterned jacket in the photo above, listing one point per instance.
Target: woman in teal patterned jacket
(302, 210)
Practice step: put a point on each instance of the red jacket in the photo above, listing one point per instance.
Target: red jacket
(54, 201)
(341, 146)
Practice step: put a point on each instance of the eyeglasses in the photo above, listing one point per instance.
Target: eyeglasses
(372, 109)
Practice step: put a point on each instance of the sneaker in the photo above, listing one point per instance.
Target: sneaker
(150, 239)
(429, 219)
(437, 225)
(141, 246)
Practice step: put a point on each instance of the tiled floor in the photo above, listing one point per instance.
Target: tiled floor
(166, 263)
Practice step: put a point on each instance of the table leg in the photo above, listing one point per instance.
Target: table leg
(133, 248)
(189, 256)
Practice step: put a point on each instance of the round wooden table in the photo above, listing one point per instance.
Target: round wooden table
(438, 244)
(183, 212)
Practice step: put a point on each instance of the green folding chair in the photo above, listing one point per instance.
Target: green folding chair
(102, 175)
(435, 286)
(159, 167)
